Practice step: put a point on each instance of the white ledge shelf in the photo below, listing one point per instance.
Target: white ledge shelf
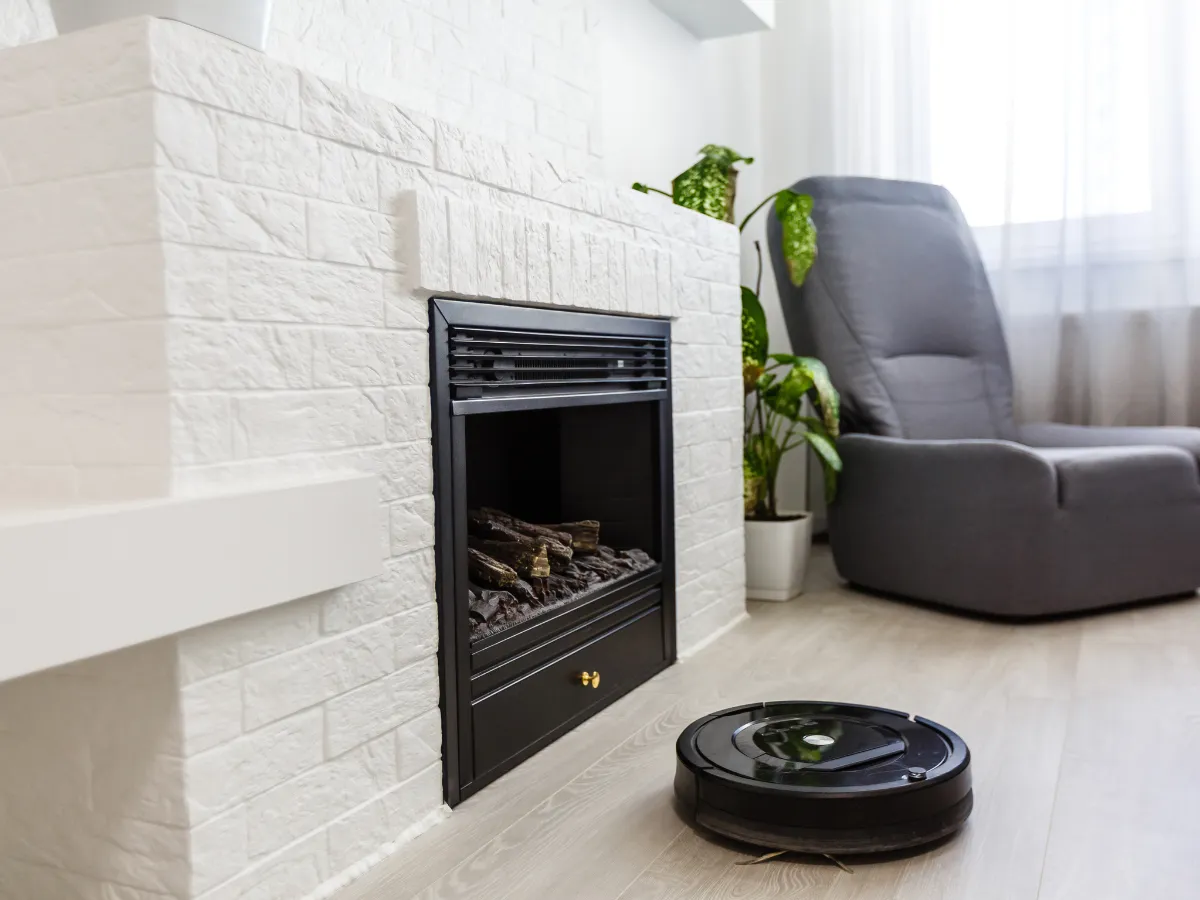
(720, 18)
(76, 583)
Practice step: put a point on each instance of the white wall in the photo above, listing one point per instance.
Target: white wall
(663, 95)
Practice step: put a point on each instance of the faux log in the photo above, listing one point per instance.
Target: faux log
(486, 570)
(498, 525)
(585, 535)
(485, 604)
(527, 557)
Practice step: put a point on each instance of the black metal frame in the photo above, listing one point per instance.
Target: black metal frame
(467, 671)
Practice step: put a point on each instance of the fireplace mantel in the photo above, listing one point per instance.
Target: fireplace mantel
(81, 582)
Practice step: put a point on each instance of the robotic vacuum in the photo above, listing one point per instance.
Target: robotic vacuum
(823, 777)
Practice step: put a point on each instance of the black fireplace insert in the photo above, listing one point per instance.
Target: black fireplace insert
(555, 545)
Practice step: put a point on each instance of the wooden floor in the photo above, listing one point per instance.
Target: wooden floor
(1085, 736)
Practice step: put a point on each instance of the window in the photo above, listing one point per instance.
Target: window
(1040, 110)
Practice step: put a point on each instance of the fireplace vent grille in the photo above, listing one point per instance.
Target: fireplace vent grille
(496, 362)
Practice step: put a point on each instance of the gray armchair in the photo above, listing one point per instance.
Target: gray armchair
(944, 498)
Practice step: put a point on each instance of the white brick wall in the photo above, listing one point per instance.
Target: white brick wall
(517, 70)
(295, 228)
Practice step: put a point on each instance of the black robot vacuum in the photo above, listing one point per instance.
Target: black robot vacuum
(823, 777)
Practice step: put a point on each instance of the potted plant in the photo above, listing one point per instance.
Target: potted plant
(244, 21)
(776, 385)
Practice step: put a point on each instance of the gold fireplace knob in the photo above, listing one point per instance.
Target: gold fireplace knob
(592, 680)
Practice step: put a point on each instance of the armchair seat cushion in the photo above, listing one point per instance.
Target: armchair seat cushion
(1123, 478)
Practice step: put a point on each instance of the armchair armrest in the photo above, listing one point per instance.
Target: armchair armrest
(897, 476)
(1053, 434)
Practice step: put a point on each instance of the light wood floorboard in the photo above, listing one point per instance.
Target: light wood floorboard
(1085, 740)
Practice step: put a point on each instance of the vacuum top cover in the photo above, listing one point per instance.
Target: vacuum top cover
(823, 745)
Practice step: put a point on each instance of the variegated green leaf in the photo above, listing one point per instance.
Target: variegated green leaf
(799, 233)
(754, 330)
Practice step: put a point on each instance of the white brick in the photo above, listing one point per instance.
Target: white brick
(268, 156)
(350, 117)
(707, 492)
(412, 525)
(21, 879)
(186, 135)
(280, 290)
(693, 295)
(305, 677)
(641, 279)
(419, 743)
(696, 529)
(464, 248)
(119, 483)
(141, 855)
(581, 270)
(598, 280)
(189, 63)
(703, 557)
(514, 259)
(380, 706)
(415, 634)
(237, 642)
(61, 143)
(691, 360)
(295, 871)
(275, 424)
(537, 245)
(75, 68)
(473, 156)
(409, 417)
(348, 176)
(292, 810)
(365, 358)
(218, 850)
(197, 283)
(694, 629)
(424, 232)
(212, 356)
(698, 328)
(396, 178)
(78, 214)
(490, 242)
(406, 582)
(237, 771)
(664, 296)
(82, 286)
(131, 780)
(560, 265)
(211, 711)
(365, 830)
(359, 237)
(726, 299)
(405, 470)
(99, 357)
(215, 214)
(98, 429)
(402, 309)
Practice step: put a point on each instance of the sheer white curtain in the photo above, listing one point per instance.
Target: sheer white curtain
(1069, 130)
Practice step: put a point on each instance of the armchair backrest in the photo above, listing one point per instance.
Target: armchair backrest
(899, 308)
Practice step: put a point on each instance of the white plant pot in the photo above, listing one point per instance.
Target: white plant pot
(244, 21)
(776, 557)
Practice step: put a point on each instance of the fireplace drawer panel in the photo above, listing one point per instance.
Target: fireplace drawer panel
(521, 717)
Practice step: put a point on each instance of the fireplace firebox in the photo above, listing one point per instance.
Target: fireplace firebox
(555, 543)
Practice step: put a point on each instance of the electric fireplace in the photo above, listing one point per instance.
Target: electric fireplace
(555, 549)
